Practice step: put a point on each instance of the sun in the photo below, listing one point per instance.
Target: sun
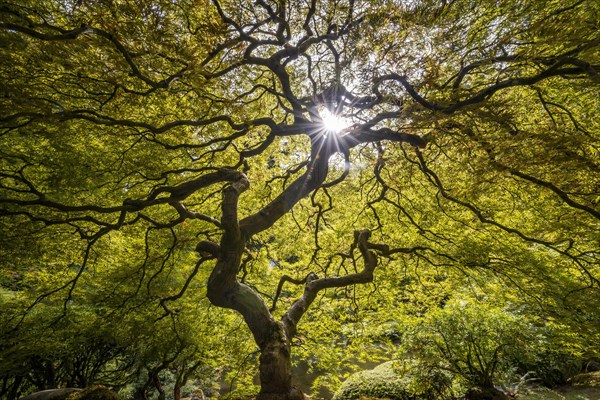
(332, 122)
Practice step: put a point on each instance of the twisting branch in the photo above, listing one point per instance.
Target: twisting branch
(565, 66)
(314, 284)
(163, 301)
(344, 174)
(84, 29)
(186, 189)
(223, 287)
(287, 278)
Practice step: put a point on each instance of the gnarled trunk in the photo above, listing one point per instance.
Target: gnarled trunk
(275, 358)
(276, 368)
(224, 290)
(269, 335)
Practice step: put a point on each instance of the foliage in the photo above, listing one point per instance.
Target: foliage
(484, 345)
(141, 351)
(402, 380)
(160, 160)
(591, 379)
(568, 394)
(551, 364)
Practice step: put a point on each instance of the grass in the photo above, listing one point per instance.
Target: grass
(564, 393)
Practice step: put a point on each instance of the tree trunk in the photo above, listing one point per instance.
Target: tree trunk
(158, 385)
(224, 290)
(275, 358)
(276, 368)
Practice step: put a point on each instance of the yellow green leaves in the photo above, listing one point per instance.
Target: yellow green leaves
(470, 154)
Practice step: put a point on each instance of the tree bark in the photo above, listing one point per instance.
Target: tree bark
(224, 290)
(276, 367)
(275, 358)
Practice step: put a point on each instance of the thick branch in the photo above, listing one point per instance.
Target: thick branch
(223, 288)
(314, 284)
(312, 179)
(186, 189)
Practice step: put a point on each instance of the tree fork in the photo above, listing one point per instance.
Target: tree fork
(272, 337)
(224, 290)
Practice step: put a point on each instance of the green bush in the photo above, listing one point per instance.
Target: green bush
(485, 345)
(549, 366)
(398, 380)
(473, 340)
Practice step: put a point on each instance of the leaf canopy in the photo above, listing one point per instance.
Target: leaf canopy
(470, 154)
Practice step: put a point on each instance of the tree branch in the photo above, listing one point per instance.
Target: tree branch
(314, 284)
(559, 68)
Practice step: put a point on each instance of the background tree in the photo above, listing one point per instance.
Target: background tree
(131, 133)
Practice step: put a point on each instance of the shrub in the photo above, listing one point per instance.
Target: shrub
(484, 345)
(476, 342)
(550, 366)
(398, 380)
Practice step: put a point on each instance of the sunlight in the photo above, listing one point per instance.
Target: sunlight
(331, 122)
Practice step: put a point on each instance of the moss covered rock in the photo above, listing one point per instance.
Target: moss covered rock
(94, 393)
(51, 394)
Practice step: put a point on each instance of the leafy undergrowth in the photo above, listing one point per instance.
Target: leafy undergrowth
(590, 379)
